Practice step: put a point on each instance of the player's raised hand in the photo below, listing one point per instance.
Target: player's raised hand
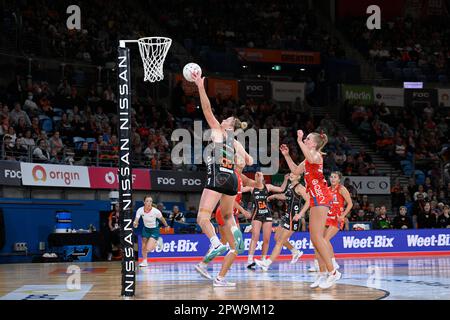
(198, 79)
(284, 150)
(300, 136)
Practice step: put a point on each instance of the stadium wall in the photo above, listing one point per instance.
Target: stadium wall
(32, 220)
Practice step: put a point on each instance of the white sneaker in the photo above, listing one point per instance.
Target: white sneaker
(321, 277)
(296, 255)
(263, 264)
(223, 283)
(144, 263)
(159, 243)
(203, 271)
(313, 269)
(331, 280)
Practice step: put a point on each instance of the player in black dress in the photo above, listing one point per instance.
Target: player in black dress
(222, 183)
(294, 196)
(262, 215)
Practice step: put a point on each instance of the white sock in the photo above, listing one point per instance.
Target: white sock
(250, 258)
(264, 257)
(215, 241)
(203, 264)
(234, 228)
(316, 263)
(294, 250)
(269, 262)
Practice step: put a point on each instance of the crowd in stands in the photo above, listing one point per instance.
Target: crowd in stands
(224, 25)
(412, 207)
(40, 29)
(416, 141)
(59, 125)
(406, 48)
(403, 135)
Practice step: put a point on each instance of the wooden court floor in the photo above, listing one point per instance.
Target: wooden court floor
(363, 279)
(160, 281)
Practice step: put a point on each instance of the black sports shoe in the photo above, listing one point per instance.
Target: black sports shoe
(251, 266)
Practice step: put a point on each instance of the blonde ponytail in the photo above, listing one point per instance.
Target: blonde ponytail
(240, 125)
(321, 140)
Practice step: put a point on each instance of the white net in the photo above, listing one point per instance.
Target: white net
(153, 53)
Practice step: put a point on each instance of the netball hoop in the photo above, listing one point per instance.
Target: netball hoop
(153, 52)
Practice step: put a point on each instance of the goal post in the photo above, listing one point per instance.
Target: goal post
(153, 52)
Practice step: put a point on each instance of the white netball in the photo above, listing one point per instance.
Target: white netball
(189, 69)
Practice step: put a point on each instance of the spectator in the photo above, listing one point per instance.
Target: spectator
(12, 134)
(8, 148)
(370, 212)
(382, 221)
(444, 218)
(155, 163)
(21, 151)
(28, 141)
(56, 142)
(365, 203)
(176, 215)
(351, 189)
(69, 159)
(426, 219)
(83, 156)
(422, 192)
(64, 88)
(16, 113)
(428, 185)
(150, 151)
(100, 116)
(40, 153)
(412, 187)
(160, 206)
(108, 95)
(55, 157)
(402, 221)
(21, 126)
(65, 127)
(357, 214)
(397, 195)
(114, 233)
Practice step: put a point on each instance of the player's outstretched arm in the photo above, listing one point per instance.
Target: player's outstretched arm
(205, 103)
(295, 169)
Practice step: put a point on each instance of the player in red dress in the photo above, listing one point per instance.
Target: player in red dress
(337, 213)
(320, 202)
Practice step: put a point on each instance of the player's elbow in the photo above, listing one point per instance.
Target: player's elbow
(249, 160)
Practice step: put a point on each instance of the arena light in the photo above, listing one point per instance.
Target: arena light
(276, 67)
(413, 85)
